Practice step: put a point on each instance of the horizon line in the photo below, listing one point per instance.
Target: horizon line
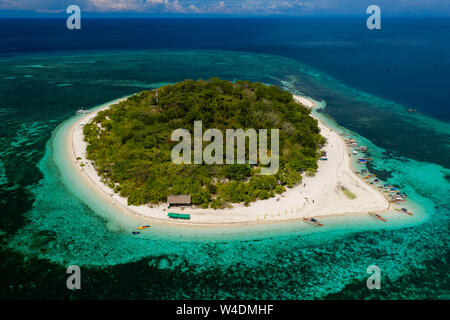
(209, 16)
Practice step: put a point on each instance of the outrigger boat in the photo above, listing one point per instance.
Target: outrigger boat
(144, 227)
(313, 222)
(396, 200)
(377, 216)
(402, 195)
(404, 210)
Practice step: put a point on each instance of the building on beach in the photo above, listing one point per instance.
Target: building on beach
(179, 200)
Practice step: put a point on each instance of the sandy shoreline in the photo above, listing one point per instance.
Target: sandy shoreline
(317, 196)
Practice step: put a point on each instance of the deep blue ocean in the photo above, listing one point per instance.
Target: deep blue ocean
(368, 80)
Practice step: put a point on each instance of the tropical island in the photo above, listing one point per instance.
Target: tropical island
(130, 146)
(122, 152)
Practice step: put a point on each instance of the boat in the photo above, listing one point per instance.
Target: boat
(82, 111)
(313, 222)
(323, 158)
(377, 216)
(135, 232)
(404, 210)
(144, 227)
(174, 215)
(412, 110)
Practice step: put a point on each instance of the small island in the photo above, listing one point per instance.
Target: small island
(122, 151)
(131, 147)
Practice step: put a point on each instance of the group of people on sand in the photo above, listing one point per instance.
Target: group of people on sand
(306, 198)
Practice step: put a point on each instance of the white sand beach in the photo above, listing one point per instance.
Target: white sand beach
(317, 196)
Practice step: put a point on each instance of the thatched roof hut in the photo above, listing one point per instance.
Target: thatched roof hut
(179, 200)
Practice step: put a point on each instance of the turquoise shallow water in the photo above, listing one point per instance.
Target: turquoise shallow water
(110, 228)
(62, 223)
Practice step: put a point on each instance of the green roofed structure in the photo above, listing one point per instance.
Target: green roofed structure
(179, 215)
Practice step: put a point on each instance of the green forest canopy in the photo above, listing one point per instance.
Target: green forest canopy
(131, 147)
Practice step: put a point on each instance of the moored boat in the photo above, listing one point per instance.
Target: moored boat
(313, 222)
(82, 111)
(377, 216)
(404, 210)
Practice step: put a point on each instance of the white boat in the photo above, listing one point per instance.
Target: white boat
(82, 111)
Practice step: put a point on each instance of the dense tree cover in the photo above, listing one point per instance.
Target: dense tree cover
(131, 147)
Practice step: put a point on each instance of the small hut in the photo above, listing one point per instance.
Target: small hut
(179, 200)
